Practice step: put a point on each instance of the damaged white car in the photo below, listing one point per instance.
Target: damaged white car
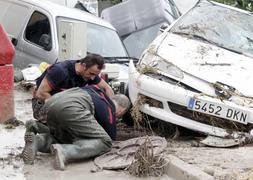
(198, 74)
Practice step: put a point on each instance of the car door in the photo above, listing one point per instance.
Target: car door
(38, 30)
(13, 17)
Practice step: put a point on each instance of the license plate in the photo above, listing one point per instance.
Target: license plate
(218, 110)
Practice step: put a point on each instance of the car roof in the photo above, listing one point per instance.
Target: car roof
(58, 10)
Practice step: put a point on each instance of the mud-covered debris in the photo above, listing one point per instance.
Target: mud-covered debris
(122, 153)
(146, 163)
(18, 76)
(27, 85)
(248, 175)
(12, 123)
(15, 165)
(24, 86)
(96, 169)
(227, 142)
(152, 125)
(135, 111)
(9, 126)
(148, 69)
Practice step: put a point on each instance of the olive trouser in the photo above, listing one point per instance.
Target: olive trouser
(70, 118)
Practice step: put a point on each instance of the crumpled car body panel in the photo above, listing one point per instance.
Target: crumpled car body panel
(209, 62)
(194, 74)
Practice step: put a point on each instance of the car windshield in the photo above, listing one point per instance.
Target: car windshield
(104, 41)
(227, 28)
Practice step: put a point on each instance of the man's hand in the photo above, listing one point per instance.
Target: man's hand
(108, 90)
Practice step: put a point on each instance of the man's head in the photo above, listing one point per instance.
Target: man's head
(122, 104)
(91, 66)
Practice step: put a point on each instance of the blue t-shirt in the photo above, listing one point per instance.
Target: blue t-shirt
(105, 112)
(63, 76)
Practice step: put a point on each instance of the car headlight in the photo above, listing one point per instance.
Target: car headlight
(162, 65)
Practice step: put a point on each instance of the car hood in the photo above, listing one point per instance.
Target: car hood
(207, 61)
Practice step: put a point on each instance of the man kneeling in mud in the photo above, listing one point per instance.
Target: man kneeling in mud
(82, 124)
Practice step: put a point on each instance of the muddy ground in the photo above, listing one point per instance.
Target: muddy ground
(222, 163)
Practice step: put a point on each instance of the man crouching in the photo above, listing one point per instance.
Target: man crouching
(81, 122)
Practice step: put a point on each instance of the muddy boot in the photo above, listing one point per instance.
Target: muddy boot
(36, 127)
(30, 149)
(34, 143)
(82, 149)
(59, 157)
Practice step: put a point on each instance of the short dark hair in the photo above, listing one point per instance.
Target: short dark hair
(93, 59)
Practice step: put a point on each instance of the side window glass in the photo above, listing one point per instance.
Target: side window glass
(38, 31)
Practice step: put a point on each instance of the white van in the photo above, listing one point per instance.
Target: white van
(44, 31)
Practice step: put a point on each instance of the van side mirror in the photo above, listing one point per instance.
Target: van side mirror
(45, 42)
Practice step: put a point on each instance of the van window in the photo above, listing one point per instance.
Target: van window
(38, 25)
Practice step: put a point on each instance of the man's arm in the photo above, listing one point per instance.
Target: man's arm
(44, 90)
(108, 90)
(52, 81)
